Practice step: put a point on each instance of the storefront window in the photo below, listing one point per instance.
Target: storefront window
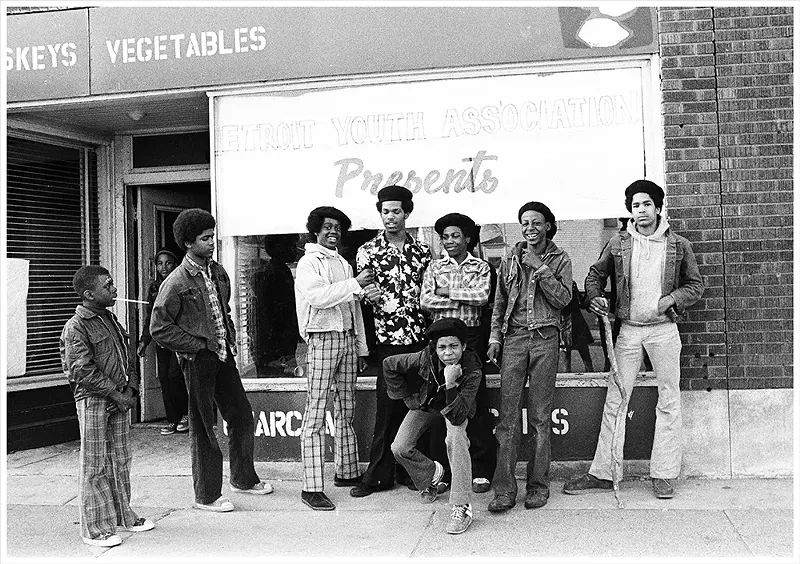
(268, 337)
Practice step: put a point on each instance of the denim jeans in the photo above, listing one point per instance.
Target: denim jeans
(173, 388)
(420, 467)
(213, 384)
(663, 344)
(528, 355)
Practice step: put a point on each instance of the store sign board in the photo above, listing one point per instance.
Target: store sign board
(575, 423)
(153, 48)
(47, 55)
(480, 146)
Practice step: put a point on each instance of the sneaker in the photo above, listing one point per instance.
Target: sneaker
(261, 488)
(168, 429)
(663, 488)
(105, 539)
(501, 502)
(536, 499)
(586, 483)
(317, 500)
(460, 519)
(141, 525)
(430, 493)
(222, 505)
(344, 482)
(183, 425)
(363, 490)
(481, 485)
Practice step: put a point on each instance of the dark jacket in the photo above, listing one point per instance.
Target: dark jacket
(181, 318)
(96, 355)
(554, 279)
(152, 292)
(681, 279)
(399, 370)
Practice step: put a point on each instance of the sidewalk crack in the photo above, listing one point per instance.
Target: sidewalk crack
(427, 526)
(738, 534)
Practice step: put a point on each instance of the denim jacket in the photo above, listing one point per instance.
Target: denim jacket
(460, 400)
(181, 318)
(681, 279)
(96, 355)
(550, 286)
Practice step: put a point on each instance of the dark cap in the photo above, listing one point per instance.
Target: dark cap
(650, 188)
(446, 327)
(394, 194)
(459, 220)
(168, 253)
(545, 211)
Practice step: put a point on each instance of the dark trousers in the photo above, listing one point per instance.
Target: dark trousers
(214, 384)
(480, 429)
(389, 414)
(173, 388)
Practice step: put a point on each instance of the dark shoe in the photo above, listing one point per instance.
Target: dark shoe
(317, 501)
(481, 485)
(168, 429)
(586, 483)
(344, 482)
(534, 500)
(363, 490)
(663, 488)
(501, 502)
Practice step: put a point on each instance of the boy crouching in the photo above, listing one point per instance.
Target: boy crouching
(438, 381)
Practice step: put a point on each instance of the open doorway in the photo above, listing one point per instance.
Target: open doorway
(156, 207)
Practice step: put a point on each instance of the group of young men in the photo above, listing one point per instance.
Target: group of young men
(426, 374)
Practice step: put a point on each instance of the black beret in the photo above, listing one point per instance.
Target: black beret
(650, 188)
(394, 194)
(459, 220)
(545, 211)
(446, 327)
(168, 253)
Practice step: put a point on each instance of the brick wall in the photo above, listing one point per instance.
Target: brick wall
(727, 84)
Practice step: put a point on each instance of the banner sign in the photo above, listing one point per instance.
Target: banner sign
(575, 423)
(480, 146)
(47, 55)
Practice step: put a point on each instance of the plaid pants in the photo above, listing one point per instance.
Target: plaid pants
(104, 472)
(331, 360)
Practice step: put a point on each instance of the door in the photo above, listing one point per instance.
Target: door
(158, 206)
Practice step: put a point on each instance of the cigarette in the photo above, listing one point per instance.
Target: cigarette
(134, 301)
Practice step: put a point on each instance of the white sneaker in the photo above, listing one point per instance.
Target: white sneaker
(261, 488)
(460, 519)
(141, 525)
(105, 540)
(222, 505)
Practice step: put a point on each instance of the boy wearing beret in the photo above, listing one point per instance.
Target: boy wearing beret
(534, 284)
(656, 278)
(458, 285)
(437, 382)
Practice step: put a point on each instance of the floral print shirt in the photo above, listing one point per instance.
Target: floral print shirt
(398, 317)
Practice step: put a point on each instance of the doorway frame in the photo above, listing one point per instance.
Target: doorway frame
(124, 252)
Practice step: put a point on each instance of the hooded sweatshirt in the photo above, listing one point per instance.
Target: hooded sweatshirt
(648, 255)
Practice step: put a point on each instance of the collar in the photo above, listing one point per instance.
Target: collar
(447, 259)
(319, 249)
(194, 268)
(88, 313)
(384, 242)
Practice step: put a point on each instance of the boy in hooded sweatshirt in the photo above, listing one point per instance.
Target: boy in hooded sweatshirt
(657, 278)
(329, 319)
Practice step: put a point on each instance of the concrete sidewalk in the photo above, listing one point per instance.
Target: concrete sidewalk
(737, 518)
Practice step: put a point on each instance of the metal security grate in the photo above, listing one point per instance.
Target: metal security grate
(52, 221)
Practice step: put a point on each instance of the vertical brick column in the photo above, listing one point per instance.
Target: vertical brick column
(728, 109)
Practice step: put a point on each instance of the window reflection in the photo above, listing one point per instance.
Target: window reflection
(269, 342)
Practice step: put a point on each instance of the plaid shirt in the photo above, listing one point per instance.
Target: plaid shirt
(216, 310)
(398, 317)
(469, 284)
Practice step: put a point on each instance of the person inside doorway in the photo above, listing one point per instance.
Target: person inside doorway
(173, 388)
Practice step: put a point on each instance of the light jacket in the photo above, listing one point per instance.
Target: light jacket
(94, 360)
(317, 295)
(681, 278)
(181, 319)
(400, 372)
(550, 285)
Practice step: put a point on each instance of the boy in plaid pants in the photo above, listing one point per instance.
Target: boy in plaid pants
(96, 358)
(330, 321)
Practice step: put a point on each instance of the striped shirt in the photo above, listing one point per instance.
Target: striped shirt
(217, 315)
(469, 284)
